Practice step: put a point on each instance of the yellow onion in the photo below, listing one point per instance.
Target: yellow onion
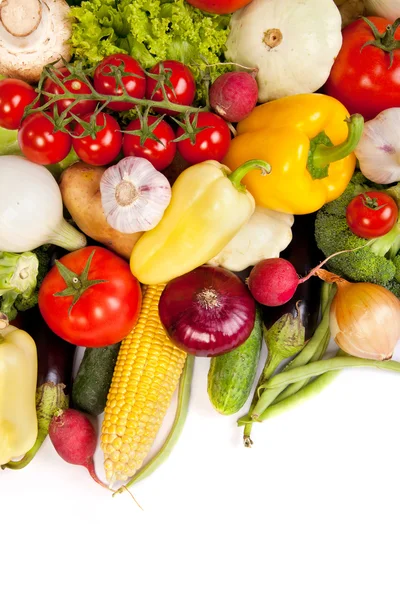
(364, 318)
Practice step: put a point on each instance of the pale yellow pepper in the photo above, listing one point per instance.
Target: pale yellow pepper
(208, 206)
(18, 376)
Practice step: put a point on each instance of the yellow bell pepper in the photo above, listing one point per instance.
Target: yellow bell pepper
(308, 140)
(208, 207)
(18, 376)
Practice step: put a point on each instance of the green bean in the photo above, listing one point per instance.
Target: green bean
(331, 364)
(316, 386)
(176, 429)
(303, 358)
(293, 388)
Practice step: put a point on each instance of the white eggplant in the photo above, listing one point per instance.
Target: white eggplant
(293, 43)
(31, 209)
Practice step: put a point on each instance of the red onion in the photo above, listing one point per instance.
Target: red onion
(208, 311)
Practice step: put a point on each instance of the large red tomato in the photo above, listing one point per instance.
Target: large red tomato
(90, 298)
(366, 78)
(219, 7)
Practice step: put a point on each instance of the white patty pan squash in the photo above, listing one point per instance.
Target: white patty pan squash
(265, 235)
(293, 43)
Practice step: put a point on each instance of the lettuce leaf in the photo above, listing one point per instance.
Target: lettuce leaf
(150, 31)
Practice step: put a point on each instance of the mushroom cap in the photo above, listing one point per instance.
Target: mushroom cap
(33, 33)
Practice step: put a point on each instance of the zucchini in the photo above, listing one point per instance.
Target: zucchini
(231, 375)
(93, 380)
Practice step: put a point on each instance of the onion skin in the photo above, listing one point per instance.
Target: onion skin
(364, 318)
(208, 311)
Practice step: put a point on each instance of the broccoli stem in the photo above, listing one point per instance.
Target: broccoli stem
(389, 244)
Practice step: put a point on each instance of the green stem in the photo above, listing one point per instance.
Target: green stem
(67, 237)
(105, 100)
(325, 155)
(20, 464)
(50, 398)
(236, 176)
(176, 429)
(332, 364)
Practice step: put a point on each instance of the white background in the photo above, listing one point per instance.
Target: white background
(311, 512)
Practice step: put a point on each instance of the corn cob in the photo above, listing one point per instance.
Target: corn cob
(146, 374)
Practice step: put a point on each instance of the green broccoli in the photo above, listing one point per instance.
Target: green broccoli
(379, 262)
(20, 278)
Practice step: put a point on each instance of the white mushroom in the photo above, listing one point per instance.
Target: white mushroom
(33, 33)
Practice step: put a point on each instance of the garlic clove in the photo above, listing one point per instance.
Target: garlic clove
(378, 151)
(134, 195)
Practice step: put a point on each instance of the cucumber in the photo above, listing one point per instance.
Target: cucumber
(231, 375)
(93, 380)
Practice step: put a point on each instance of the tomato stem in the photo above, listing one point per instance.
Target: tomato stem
(385, 41)
(76, 284)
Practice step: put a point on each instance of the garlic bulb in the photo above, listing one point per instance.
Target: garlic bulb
(390, 9)
(134, 195)
(379, 148)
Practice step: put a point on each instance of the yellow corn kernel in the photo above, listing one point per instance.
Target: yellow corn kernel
(146, 374)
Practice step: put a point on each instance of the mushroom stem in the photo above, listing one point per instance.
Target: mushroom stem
(21, 19)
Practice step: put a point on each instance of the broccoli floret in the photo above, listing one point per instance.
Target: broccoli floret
(378, 262)
(43, 255)
(20, 278)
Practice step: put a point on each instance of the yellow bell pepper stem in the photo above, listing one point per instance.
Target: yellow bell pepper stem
(236, 176)
(324, 155)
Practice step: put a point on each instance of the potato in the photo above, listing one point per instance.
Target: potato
(80, 189)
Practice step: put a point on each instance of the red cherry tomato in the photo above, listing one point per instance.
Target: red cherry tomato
(362, 78)
(40, 143)
(160, 153)
(180, 85)
(15, 96)
(105, 312)
(372, 214)
(105, 147)
(211, 143)
(105, 82)
(76, 87)
(219, 7)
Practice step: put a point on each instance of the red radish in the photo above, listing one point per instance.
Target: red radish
(74, 438)
(274, 281)
(234, 95)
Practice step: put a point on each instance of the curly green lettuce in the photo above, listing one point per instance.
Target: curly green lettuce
(150, 31)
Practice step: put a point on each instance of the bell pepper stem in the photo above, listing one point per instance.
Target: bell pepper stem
(325, 155)
(236, 176)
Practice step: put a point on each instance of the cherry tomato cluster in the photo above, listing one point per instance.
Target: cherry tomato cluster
(41, 143)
